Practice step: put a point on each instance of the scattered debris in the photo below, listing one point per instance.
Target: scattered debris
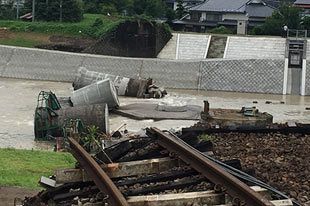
(247, 117)
(140, 88)
(158, 163)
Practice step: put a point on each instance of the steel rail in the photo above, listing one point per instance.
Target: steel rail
(240, 192)
(96, 173)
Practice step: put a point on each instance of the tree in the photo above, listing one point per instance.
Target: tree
(7, 12)
(151, 8)
(170, 15)
(180, 10)
(306, 23)
(56, 10)
(286, 15)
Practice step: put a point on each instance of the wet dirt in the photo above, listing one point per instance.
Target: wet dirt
(279, 160)
(8, 194)
(19, 98)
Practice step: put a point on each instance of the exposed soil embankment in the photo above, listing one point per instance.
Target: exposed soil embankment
(69, 44)
(283, 161)
(139, 38)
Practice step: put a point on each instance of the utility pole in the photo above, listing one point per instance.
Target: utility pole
(60, 15)
(33, 9)
(17, 9)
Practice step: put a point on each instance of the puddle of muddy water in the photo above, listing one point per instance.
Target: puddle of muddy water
(18, 102)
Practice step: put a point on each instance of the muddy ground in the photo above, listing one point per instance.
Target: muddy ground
(19, 98)
(282, 161)
(8, 194)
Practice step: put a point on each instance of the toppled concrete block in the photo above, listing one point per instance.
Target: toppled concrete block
(99, 92)
(125, 86)
(141, 88)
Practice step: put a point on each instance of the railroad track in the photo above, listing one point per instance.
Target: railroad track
(160, 169)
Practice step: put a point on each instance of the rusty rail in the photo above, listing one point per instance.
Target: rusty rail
(96, 173)
(241, 193)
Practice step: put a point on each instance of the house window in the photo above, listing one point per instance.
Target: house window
(196, 16)
(214, 17)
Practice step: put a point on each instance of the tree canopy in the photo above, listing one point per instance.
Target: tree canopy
(56, 10)
(152, 8)
(7, 11)
(286, 15)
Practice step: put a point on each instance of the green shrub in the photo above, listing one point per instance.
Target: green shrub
(257, 30)
(92, 26)
(221, 30)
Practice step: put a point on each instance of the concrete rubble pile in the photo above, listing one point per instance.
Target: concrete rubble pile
(94, 94)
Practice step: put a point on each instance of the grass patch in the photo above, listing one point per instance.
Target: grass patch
(24, 168)
(85, 28)
(206, 137)
(20, 41)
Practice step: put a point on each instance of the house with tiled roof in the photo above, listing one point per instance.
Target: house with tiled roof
(304, 5)
(186, 3)
(237, 14)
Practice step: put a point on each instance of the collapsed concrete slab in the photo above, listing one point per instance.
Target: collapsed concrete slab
(150, 111)
(99, 92)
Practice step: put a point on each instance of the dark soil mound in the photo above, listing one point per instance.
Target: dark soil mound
(69, 44)
(138, 38)
(283, 161)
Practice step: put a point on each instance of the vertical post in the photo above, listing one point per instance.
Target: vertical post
(60, 15)
(17, 9)
(206, 108)
(177, 47)
(285, 76)
(33, 9)
(303, 78)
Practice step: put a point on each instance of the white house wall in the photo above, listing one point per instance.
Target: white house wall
(234, 17)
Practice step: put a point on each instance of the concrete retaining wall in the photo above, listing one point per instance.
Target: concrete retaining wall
(307, 87)
(249, 75)
(255, 47)
(263, 75)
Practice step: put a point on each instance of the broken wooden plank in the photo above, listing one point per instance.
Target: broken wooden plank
(286, 202)
(179, 199)
(200, 198)
(174, 185)
(122, 169)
